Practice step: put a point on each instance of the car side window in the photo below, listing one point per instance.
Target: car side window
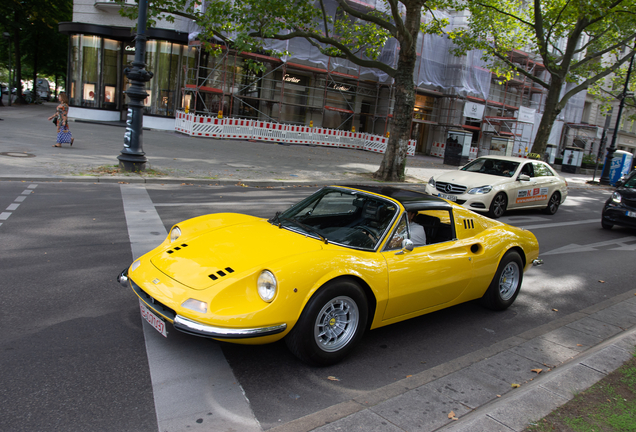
(399, 234)
(527, 170)
(540, 170)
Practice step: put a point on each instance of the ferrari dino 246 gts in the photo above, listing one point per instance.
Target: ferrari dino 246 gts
(338, 263)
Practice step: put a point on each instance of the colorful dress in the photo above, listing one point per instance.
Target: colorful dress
(63, 132)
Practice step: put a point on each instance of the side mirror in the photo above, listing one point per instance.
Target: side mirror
(523, 177)
(407, 245)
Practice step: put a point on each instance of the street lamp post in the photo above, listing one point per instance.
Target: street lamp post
(7, 36)
(605, 180)
(132, 157)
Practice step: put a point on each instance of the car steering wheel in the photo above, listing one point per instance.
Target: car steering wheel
(368, 232)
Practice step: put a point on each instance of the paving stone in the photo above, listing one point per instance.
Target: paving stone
(595, 327)
(364, 421)
(529, 406)
(469, 386)
(421, 409)
(545, 352)
(628, 343)
(483, 423)
(509, 367)
(622, 315)
(608, 359)
(572, 338)
(574, 380)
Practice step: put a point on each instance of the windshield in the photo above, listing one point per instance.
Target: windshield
(630, 183)
(348, 218)
(498, 167)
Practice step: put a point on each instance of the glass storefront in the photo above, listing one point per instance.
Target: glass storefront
(97, 80)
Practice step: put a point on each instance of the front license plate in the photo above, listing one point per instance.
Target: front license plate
(152, 319)
(448, 197)
(630, 214)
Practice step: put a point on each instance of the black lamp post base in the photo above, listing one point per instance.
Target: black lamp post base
(130, 165)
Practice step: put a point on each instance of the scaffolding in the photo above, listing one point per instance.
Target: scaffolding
(284, 92)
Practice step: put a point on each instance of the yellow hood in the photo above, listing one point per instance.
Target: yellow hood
(229, 251)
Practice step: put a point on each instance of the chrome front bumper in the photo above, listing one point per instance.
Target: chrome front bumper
(195, 328)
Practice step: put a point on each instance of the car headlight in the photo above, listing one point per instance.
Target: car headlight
(175, 233)
(135, 265)
(195, 305)
(431, 182)
(617, 198)
(480, 190)
(267, 285)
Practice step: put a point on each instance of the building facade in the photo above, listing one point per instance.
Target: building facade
(456, 96)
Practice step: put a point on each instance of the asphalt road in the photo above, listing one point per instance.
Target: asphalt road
(74, 344)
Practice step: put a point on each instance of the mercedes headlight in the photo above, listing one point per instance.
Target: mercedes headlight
(267, 285)
(617, 198)
(175, 233)
(480, 190)
(431, 182)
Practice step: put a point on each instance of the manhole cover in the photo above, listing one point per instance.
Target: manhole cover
(16, 154)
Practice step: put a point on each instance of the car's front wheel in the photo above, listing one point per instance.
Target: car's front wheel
(330, 325)
(498, 205)
(606, 225)
(553, 204)
(505, 285)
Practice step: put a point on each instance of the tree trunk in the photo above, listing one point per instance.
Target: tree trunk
(550, 113)
(18, 64)
(393, 166)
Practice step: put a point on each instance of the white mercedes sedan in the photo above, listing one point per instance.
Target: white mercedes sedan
(494, 184)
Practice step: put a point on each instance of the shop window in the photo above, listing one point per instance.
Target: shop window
(110, 73)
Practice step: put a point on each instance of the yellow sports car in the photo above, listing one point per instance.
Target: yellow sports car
(342, 261)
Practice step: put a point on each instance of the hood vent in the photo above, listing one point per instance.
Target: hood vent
(221, 273)
(176, 248)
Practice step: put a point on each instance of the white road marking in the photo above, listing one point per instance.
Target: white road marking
(5, 215)
(622, 244)
(193, 385)
(561, 224)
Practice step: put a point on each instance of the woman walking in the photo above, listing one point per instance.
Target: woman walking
(61, 120)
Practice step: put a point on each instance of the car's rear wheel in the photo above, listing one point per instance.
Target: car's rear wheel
(330, 325)
(498, 205)
(553, 204)
(505, 285)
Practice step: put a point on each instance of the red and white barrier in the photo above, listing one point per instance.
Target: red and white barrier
(232, 128)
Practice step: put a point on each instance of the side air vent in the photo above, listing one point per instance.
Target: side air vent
(176, 248)
(221, 273)
(469, 224)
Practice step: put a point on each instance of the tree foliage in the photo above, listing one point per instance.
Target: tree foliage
(37, 47)
(580, 42)
(351, 30)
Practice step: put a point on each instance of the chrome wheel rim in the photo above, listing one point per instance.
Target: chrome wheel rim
(336, 324)
(554, 204)
(499, 205)
(509, 281)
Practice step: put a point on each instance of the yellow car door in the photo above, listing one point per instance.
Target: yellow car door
(427, 276)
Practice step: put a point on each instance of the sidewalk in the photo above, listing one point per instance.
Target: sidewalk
(573, 352)
(26, 154)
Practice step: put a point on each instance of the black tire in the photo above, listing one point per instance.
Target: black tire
(606, 225)
(506, 283)
(498, 206)
(331, 324)
(553, 204)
